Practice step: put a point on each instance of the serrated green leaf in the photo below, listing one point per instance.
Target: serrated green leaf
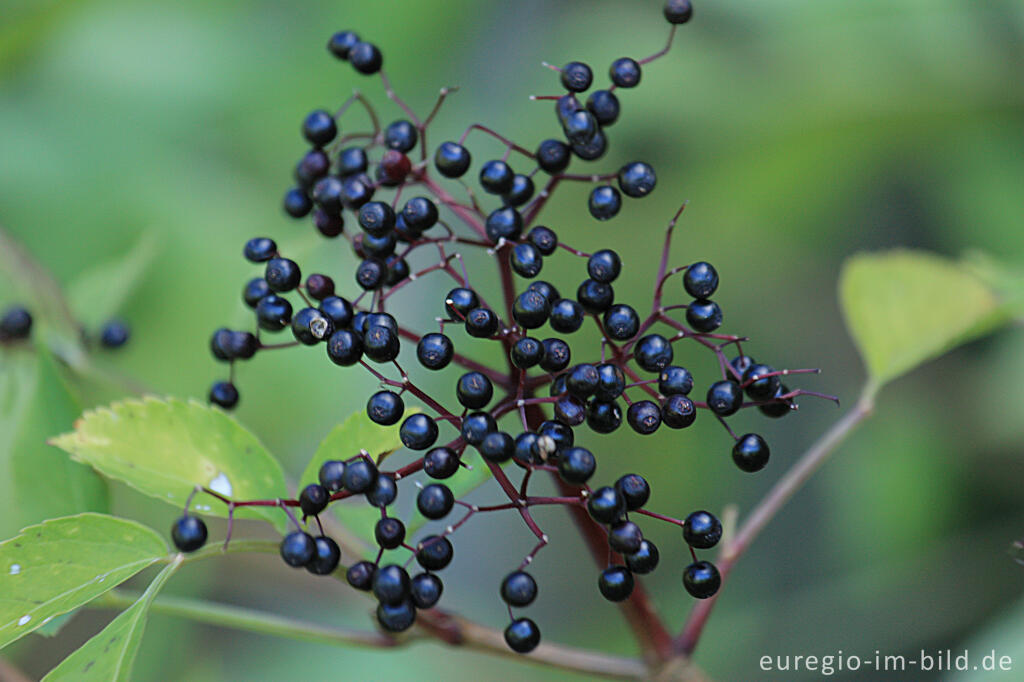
(164, 448)
(97, 294)
(109, 656)
(906, 307)
(40, 481)
(60, 564)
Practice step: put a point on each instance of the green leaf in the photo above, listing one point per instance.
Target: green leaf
(108, 656)
(164, 448)
(40, 482)
(58, 565)
(906, 307)
(98, 293)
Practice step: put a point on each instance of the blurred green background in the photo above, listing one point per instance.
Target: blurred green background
(799, 132)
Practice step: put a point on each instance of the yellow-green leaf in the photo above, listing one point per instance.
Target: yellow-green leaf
(63, 563)
(108, 656)
(905, 307)
(164, 448)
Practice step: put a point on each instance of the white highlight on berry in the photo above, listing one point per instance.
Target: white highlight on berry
(15, 569)
(24, 620)
(221, 484)
(318, 327)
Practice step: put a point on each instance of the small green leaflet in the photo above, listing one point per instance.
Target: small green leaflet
(166, 447)
(63, 563)
(108, 656)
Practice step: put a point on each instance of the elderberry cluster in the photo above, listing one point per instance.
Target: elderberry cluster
(399, 195)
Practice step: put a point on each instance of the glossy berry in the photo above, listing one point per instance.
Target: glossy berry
(380, 344)
(610, 382)
(635, 491)
(189, 533)
(355, 191)
(474, 390)
(580, 127)
(225, 394)
(377, 218)
(702, 579)
(678, 11)
(615, 583)
(777, 408)
(311, 167)
(625, 72)
(459, 302)
(603, 417)
(360, 575)
(545, 289)
(544, 238)
(678, 412)
(425, 590)
(704, 316)
(255, 289)
(260, 249)
(352, 161)
(391, 584)
(331, 475)
(420, 214)
(319, 128)
(521, 192)
(389, 532)
(605, 202)
(418, 432)
(531, 309)
(758, 386)
(702, 530)
(328, 225)
(282, 274)
(522, 635)
(497, 446)
(595, 297)
(606, 505)
(371, 274)
(700, 280)
(115, 334)
(621, 322)
(440, 463)
(560, 435)
(481, 323)
(313, 499)
(653, 353)
(526, 451)
(526, 352)
(452, 159)
(576, 76)
(396, 617)
(360, 475)
(365, 57)
(319, 286)
(496, 177)
(725, 397)
(297, 203)
(604, 105)
(566, 316)
(326, 556)
(434, 552)
(644, 416)
(582, 380)
(504, 223)
(526, 260)
(750, 453)
(345, 348)
(310, 326)
(675, 380)
(434, 501)
(476, 426)
(625, 537)
(553, 156)
(604, 266)
(576, 465)
(383, 492)
(435, 351)
(556, 355)
(385, 408)
(518, 589)
(298, 548)
(401, 136)
(645, 559)
(328, 193)
(341, 42)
